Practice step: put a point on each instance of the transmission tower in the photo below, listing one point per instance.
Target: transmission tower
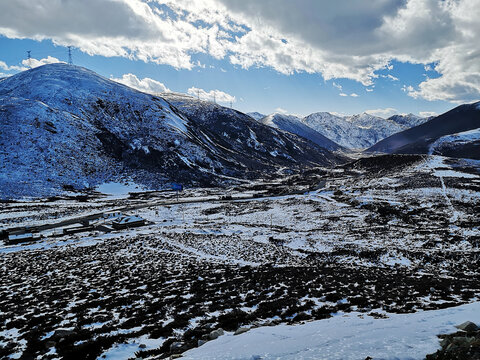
(198, 94)
(29, 58)
(70, 60)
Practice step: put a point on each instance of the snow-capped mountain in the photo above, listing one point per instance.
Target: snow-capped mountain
(64, 126)
(252, 144)
(454, 133)
(256, 115)
(294, 125)
(355, 132)
(358, 131)
(408, 120)
(461, 145)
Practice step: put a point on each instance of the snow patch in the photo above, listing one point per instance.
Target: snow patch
(352, 336)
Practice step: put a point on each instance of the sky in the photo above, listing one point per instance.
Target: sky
(299, 57)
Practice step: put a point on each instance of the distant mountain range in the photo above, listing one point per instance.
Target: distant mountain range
(65, 127)
(356, 132)
(294, 125)
(455, 133)
(256, 115)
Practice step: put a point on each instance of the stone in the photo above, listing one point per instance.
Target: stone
(176, 356)
(444, 342)
(467, 326)
(241, 330)
(175, 346)
(63, 333)
(462, 341)
(215, 334)
(142, 346)
(200, 342)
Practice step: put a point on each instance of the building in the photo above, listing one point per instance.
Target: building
(125, 222)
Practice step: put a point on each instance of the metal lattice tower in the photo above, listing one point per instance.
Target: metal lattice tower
(29, 58)
(70, 60)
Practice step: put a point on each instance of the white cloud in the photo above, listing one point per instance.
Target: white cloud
(368, 89)
(147, 85)
(6, 67)
(281, 110)
(288, 36)
(354, 95)
(212, 95)
(384, 113)
(427, 113)
(343, 94)
(338, 86)
(33, 63)
(393, 78)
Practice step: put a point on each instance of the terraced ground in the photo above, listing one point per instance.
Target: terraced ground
(382, 235)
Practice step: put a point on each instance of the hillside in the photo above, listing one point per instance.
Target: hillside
(65, 127)
(358, 131)
(294, 125)
(253, 145)
(442, 135)
(256, 115)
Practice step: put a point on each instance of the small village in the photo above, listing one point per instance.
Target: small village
(103, 222)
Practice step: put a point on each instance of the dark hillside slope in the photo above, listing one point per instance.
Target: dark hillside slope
(421, 139)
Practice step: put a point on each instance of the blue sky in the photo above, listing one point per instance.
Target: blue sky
(254, 55)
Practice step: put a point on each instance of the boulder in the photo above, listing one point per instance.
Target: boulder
(215, 334)
(175, 346)
(241, 330)
(467, 326)
(62, 333)
(200, 342)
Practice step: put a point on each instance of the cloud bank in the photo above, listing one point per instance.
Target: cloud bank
(351, 39)
(212, 95)
(147, 85)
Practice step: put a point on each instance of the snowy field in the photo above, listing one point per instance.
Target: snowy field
(345, 336)
(362, 251)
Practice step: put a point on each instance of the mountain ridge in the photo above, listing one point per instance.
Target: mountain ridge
(421, 138)
(293, 124)
(64, 126)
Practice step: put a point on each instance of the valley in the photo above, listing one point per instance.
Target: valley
(377, 236)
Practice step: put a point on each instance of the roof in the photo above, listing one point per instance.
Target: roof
(20, 236)
(129, 219)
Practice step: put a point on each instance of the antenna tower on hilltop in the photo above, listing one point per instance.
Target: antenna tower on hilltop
(29, 59)
(70, 60)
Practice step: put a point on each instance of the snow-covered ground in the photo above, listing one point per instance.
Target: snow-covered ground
(119, 190)
(350, 336)
(455, 139)
(397, 234)
(359, 131)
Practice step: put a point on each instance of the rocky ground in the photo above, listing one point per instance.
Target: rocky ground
(380, 235)
(462, 345)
